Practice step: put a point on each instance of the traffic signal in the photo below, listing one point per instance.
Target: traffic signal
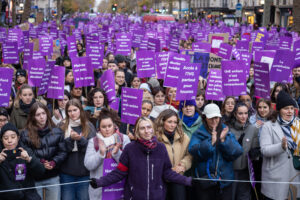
(114, 7)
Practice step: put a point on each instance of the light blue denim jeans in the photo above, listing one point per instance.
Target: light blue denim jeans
(78, 191)
(52, 192)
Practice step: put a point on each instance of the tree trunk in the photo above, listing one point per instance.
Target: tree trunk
(170, 6)
(58, 12)
(296, 15)
(180, 9)
(14, 16)
(27, 11)
(190, 6)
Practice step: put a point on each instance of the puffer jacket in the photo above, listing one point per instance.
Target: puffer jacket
(250, 142)
(18, 118)
(203, 151)
(146, 171)
(51, 148)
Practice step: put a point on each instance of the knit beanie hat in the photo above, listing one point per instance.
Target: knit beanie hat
(187, 103)
(3, 112)
(9, 127)
(21, 72)
(283, 100)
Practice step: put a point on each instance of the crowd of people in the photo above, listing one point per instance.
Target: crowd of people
(191, 149)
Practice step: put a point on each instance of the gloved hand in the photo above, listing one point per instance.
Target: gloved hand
(93, 183)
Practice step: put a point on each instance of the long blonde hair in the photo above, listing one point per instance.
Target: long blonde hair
(137, 126)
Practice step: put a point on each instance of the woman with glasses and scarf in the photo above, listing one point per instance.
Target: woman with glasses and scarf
(279, 141)
(247, 136)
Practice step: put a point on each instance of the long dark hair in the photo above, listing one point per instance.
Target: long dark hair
(109, 114)
(66, 93)
(91, 96)
(31, 124)
(236, 107)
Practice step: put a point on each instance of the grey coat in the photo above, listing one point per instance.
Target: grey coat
(276, 167)
(249, 142)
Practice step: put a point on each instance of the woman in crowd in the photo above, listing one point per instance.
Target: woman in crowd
(247, 136)
(47, 144)
(191, 119)
(4, 117)
(120, 79)
(23, 102)
(67, 63)
(214, 147)
(169, 132)
(21, 79)
(107, 144)
(227, 109)
(200, 100)
(146, 166)
(264, 109)
(159, 102)
(69, 79)
(147, 94)
(97, 100)
(246, 99)
(77, 93)
(77, 131)
(171, 97)
(278, 145)
(18, 166)
(135, 82)
(276, 89)
(59, 112)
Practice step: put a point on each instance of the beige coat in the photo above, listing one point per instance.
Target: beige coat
(178, 152)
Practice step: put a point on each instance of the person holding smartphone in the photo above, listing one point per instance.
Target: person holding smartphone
(18, 166)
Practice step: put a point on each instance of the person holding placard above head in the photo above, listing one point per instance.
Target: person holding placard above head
(191, 119)
(106, 146)
(247, 136)
(23, 102)
(214, 147)
(47, 143)
(145, 165)
(97, 100)
(279, 143)
(168, 131)
(18, 167)
(159, 102)
(77, 131)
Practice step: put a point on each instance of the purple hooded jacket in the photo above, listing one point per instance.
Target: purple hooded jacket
(146, 171)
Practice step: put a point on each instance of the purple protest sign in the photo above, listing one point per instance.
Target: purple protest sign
(261, 37)
(145, 64)
(72, 47)
(214, 86)
(258, 46)
(242, 45)
(261, 80)
(161, 64)
(297, 53)
(123, 44)
(216, 41)
(153, 45)
(247, 58)
(174, 44)
(46, 45)
(236, 53)
(28, 53)
(96, 53)
(46, 77)
(115, 104)
(6, 75)
(131, 111)
(234, 78)
(137, 37)
(285, 43)
(10, 53)
(83, 72)
(36, 70)
(201, 47)
(265, 56)
(282, 66)
(116, 190)
(107, 82)
(175, 62)
(56, 83)
(225, 51)
(202, 58)
(188, 81)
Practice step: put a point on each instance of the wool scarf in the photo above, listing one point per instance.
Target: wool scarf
(149, 144)
(72, 123)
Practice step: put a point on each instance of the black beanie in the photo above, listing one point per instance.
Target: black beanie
(21, 72)
(9, 127)
(283, 100)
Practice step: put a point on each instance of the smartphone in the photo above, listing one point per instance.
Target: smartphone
(13, 154)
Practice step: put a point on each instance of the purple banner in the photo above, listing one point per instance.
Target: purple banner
(175, 62)
(225, 51)
(6, 75)
(282, 66)
(46, 45)
(242, 45)
(46, 77)
(107, 82)
(56, 83)
(123, 44)
(201, 47)
(137, 38)
(72, 47)
(214, 86)
(28, 53)
(116, 190)
(10, 53)
(131, 111)
(115, 104)
(234, 78)
(285, 43)
(83, 72)
(153, 45)
(257, 46)
(161, 64)
(188, 81)
(261, 80)
(145, 64)
(297, 53)
(96, 53)
(261, 37)
(36, 69)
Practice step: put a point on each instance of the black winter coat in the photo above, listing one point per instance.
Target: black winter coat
(51, 148)
(7, 178)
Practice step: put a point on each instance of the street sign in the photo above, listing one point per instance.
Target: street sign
(238, 10)
(238, 6)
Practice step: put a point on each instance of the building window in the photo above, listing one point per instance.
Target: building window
(284, 2)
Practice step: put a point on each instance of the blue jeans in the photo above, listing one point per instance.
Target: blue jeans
(77, 191)
(52, 192)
